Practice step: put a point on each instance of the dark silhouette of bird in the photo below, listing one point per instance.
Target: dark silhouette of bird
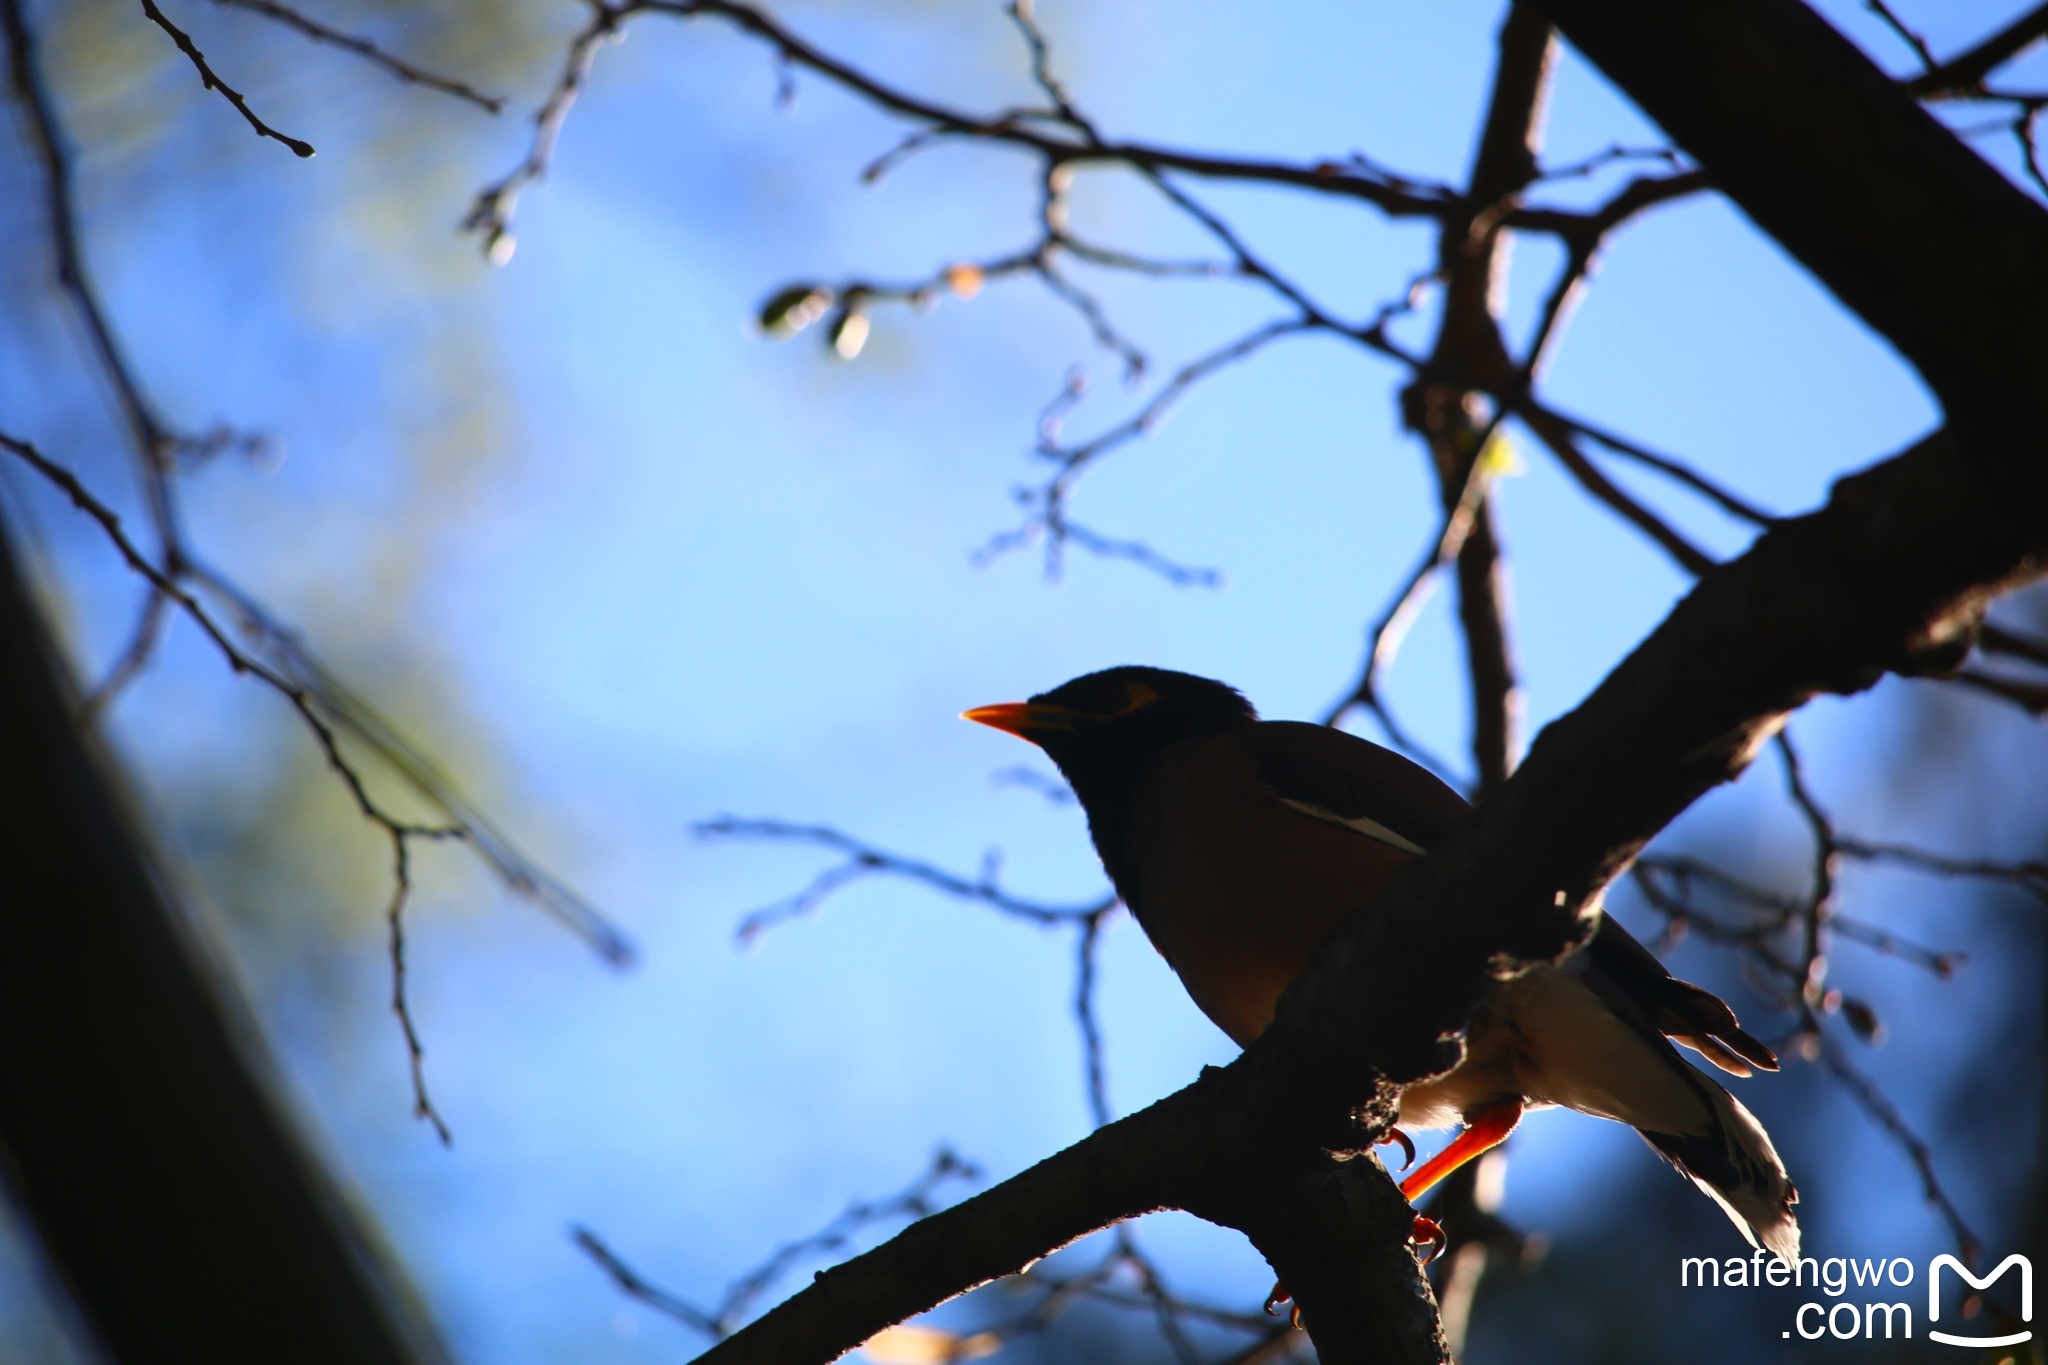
(1239, 844)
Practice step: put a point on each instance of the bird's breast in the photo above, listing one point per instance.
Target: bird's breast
(1236, 888)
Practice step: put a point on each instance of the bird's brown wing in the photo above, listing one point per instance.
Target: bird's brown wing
(1353, 781)
(1348, 779)
(1697, 1018)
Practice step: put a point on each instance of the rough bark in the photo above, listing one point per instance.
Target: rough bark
(138, 1129)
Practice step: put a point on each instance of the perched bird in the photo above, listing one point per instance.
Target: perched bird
(1239, 844)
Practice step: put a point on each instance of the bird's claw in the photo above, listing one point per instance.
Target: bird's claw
(1278, 1297)
(1407, 1144)
(1430, 1233)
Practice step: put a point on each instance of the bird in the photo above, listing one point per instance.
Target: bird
(1238, 844)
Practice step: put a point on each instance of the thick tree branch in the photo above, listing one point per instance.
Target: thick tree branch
(1891, 575)
(1837, 162)
(139, 1125)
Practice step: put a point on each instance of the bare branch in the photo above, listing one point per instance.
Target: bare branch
(1905, 34)
(1964, 73)
(1663, 464)
(2031, 877)
(275, 657)
(214, 82)
(1096, 1074)
(1818, 907)
(1557, 437)
(1384, 640)
(919, 1200)
(2029, 696)
(490, 214)
(1886, 1115)
(1994, 639)
(368, 51)
(864, 860)
(1047, 503)
(325, 694)
(133, 658)
(401, 1006)
(150, 437)
(1758, 939)
(1020, 12)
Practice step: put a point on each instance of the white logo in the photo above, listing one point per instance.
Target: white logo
(2026, 1298)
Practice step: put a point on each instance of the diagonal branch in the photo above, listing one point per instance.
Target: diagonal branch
(1059, 134)
(275, 657)
(1965, 72)
(1892, 574)
(368, 51)
(861, 860)
(1558, 437)
(918, 1200)
(150, 436)
(211, 81)
(1888, 575)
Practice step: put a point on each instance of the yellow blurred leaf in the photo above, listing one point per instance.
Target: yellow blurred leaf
(965, 280)
(1500, 459)
(910, 1344)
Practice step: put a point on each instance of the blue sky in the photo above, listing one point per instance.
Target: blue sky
(632, 566)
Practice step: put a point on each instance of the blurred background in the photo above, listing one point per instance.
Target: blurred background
(620, 565)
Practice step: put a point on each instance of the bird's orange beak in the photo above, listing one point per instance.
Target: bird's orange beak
(1020, 718)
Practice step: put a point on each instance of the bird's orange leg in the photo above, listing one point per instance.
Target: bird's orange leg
(1484, 1131)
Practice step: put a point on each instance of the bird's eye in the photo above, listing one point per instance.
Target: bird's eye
(1139, 695)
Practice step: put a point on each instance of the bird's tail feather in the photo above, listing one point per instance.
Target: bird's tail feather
(1734, 1163)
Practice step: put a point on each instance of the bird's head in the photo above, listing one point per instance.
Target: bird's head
(1104, 728)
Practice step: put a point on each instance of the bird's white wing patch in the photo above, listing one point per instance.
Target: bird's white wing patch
(1364, 824)
(1579, 1054)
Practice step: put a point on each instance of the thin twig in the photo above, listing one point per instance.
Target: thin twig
(1384, 640)
(212, 81)
(394, 916)
(861, 860)
(1911, 39)
(864, 860)
(1557, 438)
(133, 658)
(919, 1200)
(1818, 906)
(368, 51)
(2031, 697)
(1047, 503)
(490, 214)
(150, 437)
(2031, 877)
(1885, 1114)
(275, 657)
(1965, 72)
(1735, 506)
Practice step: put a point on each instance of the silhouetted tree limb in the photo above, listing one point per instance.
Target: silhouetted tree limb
(1950, 262)
(139, 1129)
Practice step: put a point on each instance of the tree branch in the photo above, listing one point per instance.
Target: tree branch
(1964, 73)
(368, 51)
(211, 81)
